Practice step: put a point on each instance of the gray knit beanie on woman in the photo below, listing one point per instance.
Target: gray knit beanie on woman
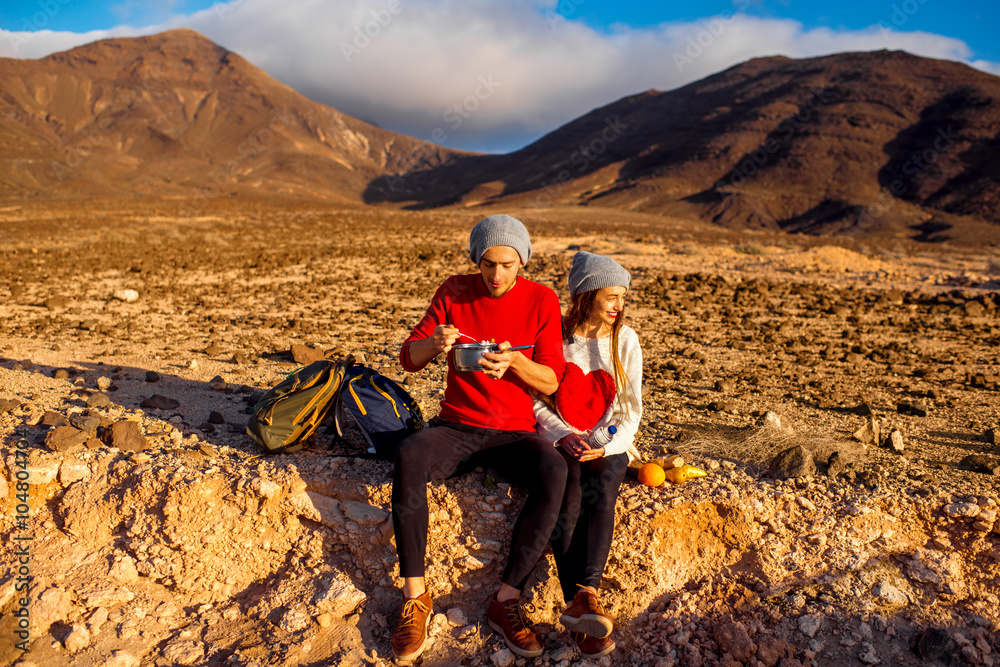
(499, 230)
(592, 272)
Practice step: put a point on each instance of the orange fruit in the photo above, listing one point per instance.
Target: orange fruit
(652, 475)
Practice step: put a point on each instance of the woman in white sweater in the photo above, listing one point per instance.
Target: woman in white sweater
(602, 388)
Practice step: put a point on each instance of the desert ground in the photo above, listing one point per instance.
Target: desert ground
(157, 533)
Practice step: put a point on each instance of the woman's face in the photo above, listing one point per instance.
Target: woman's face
(608, 306)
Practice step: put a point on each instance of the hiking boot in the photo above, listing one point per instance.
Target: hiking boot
(586, 615)
(505, 618)
(592, 647)
(410, 638)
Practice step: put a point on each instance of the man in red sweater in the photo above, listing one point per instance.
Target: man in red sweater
(486, 418)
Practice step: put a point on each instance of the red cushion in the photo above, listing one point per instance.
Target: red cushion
(582, 399)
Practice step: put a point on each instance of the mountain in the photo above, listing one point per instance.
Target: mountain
(853, 142)
(175, 114)
(882, 142)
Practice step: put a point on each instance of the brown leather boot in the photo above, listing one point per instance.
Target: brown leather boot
(521, 638)
(586, 615)
(410, 638)
(592, 647)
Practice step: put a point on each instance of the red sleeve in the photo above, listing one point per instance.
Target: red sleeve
(435, 315)
(548, 346)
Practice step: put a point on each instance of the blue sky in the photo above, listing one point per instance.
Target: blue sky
(493, 75)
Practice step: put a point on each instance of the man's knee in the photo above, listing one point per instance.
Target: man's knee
(553, 467)
(409, 453)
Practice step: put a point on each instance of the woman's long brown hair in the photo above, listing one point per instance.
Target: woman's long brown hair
(579, 313)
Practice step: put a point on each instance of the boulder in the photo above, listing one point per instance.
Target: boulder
(793, 462)
(303, 354)
(127, 436)
(64, 438)
(158, 402)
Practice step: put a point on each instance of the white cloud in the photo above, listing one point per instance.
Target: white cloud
(479, 68)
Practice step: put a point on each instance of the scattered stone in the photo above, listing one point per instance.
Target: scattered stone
(53, 604)
(889, 594)
(772, 650)
(87, 423)
(303, 354)
(240, 359)
(835, 465)
(723, 406)
(64, 438)
(456, 617)
(769, 420)
(98, 400)
(77, 639)
(52, 418)
(71, 470)
(980, 463)
(895, 441)
(869, 433)
(152, 376)
(793, 462)
(725, 386)
(734, 639)
(218, 384)
(967, 510)
(124, 570)
(216, 418)
(56, 302)
(8, 405)
(184, 652)
(214, 350)
(126, 295)
(42, 471)
(127, 436)
(122, 659)
(809, 624)
(295, 619)
(61, 374)
(363, 513)
(158, 402)
(339, 597)
(868, 655)
(104, 383)
(916, 408)
(990, 436)
(97, 618)
(265, 487)
(502, 658)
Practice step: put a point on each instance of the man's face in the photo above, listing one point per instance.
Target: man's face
(499, 267)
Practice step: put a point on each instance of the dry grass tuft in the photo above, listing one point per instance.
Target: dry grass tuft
(754, 446)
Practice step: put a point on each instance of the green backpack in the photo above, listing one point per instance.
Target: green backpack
(294, 408)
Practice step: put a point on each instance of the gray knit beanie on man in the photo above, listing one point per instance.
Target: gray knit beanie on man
(592, 272)
(499, 230)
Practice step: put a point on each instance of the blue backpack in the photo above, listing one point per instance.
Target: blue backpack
(384, 412)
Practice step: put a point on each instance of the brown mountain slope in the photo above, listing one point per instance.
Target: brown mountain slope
(176, 114)
(850, 142)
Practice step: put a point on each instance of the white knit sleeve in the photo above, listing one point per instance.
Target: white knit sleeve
(550, 425)
(627, 421)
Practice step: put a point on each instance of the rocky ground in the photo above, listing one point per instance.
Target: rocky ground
(132, 340)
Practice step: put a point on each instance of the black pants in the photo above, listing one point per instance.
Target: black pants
(582, 538)
(446, 449)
